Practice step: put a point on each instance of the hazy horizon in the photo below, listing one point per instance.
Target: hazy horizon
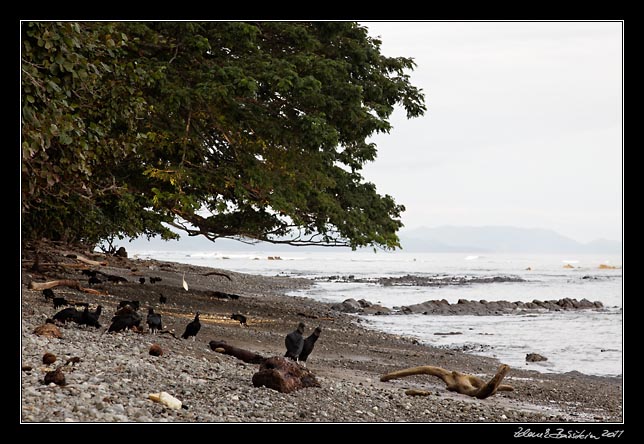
(450, 238)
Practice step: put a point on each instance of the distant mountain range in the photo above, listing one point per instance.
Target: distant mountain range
(446, 239)
(499, 239)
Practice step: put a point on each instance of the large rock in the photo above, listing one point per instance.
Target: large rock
(486, 308)
(348, 306)
(535, 357)
(376, 310)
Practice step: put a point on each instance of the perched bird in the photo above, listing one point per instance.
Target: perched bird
(192, 328)
(124, 319)
(142, 280)
(294, 342)
(68, 314)
(91, 319)
(154, 279)
(90, 273)
(183, 281)
(60, 302)
(162, 299)
(94, 280)
(309, 343)
(48, 293)
(239, 317)
(154, 321)
(81, 318)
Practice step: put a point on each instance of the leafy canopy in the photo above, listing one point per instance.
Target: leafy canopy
(224, 129)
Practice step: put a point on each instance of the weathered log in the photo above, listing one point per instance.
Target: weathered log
(64, 283)
(244, 355)
(217, 273)
(82, 258)
(458, 382)
(283, 375)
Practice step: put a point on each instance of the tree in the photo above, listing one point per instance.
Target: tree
(224, 129)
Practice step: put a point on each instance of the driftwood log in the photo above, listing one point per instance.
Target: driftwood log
(81, 258)
(283, 375)
(458, 382)
(64, 283)
(239, 353)
(217, 273)
(277, 373)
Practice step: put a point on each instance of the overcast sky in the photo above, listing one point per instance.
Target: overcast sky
(524, 126)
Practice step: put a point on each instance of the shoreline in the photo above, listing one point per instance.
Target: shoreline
(348, 360)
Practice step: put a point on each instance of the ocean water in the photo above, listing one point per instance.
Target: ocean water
(587, 341)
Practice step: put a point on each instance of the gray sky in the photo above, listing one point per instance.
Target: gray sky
(524, 126)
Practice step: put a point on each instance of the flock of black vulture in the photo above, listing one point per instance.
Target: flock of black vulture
(127, 317)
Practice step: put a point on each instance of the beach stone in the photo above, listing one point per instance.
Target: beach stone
(56, 377)
(535, 357)
(348, 306)
(118, 409)
(48, 358)
(48, 331)
(156, 350)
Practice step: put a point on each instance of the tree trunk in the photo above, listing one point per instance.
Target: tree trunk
(277, 373)
(244, 355)
(65, 283)
(283, 375)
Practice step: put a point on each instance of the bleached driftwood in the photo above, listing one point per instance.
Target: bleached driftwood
(64, 283)
(80, 257)
(458, 382)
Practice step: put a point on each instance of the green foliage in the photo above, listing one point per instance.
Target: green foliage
(227, 129)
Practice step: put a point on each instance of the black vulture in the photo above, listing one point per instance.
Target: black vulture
(94, 280)
(142, 280)
(154, 321)
(125, 318)
(68, 314)
(48, 293)
(90, 273)
(294, 342)
(162, 299)
(239, 317)
(154, 279)
(309, 343)
(192, 328)
(60, 302)
(91, 319)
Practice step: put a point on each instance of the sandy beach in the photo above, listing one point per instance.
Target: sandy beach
(116, 373)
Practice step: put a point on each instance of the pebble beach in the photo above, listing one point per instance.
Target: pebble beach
(115, 373)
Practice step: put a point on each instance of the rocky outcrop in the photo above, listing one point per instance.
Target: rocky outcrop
(487, 308)
(362, 306)
(424, 281)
